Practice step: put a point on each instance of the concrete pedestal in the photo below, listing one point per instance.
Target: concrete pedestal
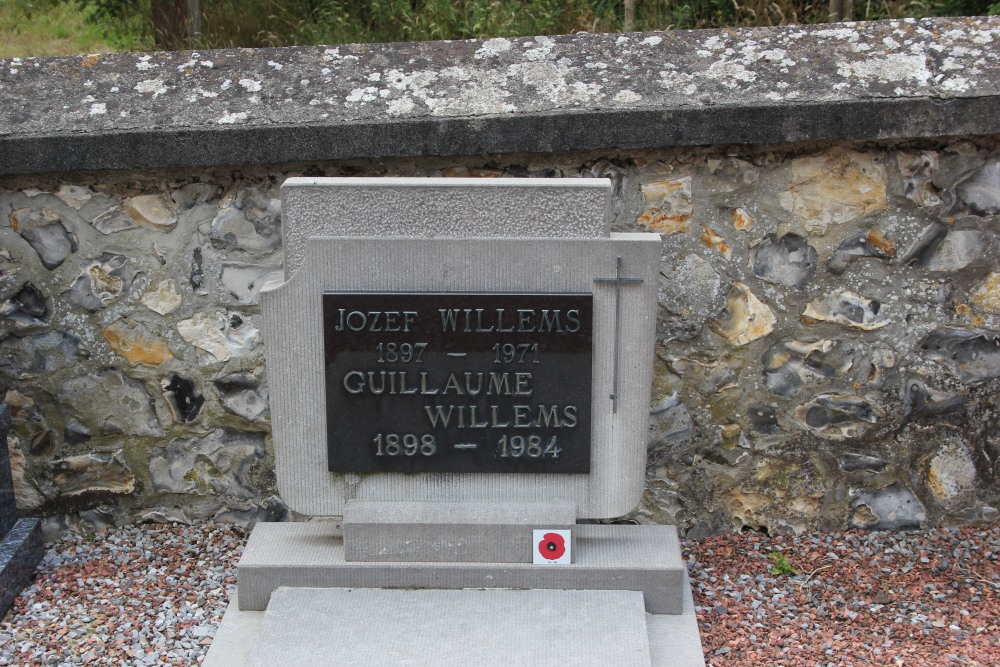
(324, 610)
(448, 532)
(608, 557)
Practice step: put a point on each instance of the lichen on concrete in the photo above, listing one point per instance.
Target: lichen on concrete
(342, 101)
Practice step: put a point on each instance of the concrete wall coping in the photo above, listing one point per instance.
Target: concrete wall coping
(879, 80)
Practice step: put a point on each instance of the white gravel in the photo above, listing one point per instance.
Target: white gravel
(137, 595)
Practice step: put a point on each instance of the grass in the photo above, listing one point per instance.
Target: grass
(287, 22)
(59, 27)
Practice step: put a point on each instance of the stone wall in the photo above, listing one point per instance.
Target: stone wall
(831, 349)
(829, 327)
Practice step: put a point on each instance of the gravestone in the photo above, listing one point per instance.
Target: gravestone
(459, 371)
(22, 546)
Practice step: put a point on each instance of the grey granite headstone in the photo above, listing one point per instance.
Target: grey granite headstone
(513, 236)
(8, 504)
(22, 546)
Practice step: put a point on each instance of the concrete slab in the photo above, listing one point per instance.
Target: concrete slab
(375, 628)
(674, 640)
(448, 532)
(490, 112)
(608, 557)
(235, 637)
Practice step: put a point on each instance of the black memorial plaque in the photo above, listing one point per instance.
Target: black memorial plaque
(458, 382)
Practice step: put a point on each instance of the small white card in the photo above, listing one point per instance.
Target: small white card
(551, 547)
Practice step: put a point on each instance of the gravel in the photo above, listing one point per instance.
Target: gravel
(154, 595)
(905, 598)
(136, 595)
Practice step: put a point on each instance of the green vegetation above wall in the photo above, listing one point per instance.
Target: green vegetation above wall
(58, 27)
(50, 28)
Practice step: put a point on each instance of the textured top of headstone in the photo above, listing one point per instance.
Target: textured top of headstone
(441, 208)
(531, 94)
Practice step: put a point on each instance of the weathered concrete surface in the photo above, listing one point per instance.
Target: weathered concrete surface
(877, 80)
(554, 628)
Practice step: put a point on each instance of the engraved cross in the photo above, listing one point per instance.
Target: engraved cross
(618, 281)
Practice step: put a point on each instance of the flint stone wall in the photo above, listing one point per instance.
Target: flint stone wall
(829, 330)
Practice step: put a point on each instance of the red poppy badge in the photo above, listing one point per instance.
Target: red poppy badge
(551, 547)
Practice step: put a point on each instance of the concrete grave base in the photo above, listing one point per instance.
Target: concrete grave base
(625, 601)
(608, 557)
(363, 627)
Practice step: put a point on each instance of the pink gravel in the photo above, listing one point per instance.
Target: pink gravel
(879, 598)
(154, 595)
(135, 595)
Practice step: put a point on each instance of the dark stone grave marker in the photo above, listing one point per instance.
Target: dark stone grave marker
(22, 546)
